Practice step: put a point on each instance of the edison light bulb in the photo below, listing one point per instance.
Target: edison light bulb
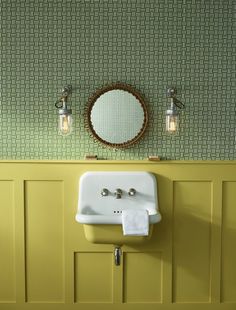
(65, 124)
(172, 117)
(172, 114)
(171, 123)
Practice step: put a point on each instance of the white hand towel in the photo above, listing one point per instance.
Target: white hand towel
(135, 222)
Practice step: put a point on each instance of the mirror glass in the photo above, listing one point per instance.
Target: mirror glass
(117, 115)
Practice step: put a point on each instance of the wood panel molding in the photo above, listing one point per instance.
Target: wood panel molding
(47, 263)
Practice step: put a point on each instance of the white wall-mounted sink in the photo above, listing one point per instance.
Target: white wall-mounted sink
(103, 196)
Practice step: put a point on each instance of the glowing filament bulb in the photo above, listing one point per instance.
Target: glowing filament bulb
(171, 123)
(65, 124)
(64, 113)
(172, 118)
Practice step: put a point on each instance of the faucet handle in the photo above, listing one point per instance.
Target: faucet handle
(118, 193)
(104, 192)
(132, 192)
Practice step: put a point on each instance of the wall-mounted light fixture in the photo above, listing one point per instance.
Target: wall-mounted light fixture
(64, 113)
(172, 114)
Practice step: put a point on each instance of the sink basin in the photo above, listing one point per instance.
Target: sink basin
(103, 196)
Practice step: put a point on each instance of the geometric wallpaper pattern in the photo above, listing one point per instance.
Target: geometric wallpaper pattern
(90, 43)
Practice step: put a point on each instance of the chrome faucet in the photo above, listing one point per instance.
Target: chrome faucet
(118, 193)
(117, 254)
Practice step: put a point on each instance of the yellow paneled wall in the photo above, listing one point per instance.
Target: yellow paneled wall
(47, 263)
(7, 249)
(191, 241)
(228, 272)
(44, 241)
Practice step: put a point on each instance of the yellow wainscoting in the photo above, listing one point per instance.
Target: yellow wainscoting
(142, 277)
(191, 241)
(44, 241)
(228, 271)
(47, 263)
(93, 277)
(7, 249)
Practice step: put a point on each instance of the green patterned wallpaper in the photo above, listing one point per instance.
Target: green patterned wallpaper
(149, 44)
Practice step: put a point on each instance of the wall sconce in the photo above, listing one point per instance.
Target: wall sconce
(172, 114)
(64, 113)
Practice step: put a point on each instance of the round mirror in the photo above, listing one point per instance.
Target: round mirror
(117, 115)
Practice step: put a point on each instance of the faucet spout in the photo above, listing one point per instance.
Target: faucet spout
(118, 193)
